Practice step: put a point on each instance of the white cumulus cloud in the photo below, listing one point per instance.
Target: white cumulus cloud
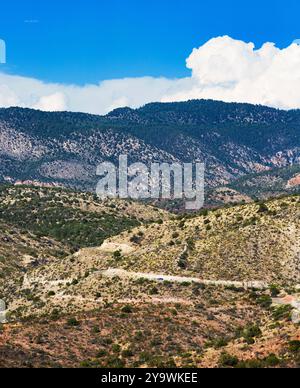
(222, 69)
(52, 103)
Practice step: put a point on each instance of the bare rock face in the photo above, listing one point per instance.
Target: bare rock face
(20, 146)
(2, 311)
(296, 317)
(295, 181)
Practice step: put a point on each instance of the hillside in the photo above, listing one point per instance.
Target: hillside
(136, 286)
(64, 148)
(252, 242)
(273, 183)
(40, 225)
(226, 329)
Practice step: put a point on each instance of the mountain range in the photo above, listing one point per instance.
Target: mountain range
(251, 150)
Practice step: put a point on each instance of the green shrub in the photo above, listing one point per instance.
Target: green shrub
(73, 322)
(127, 353)
(263, 208)
(294, 346)
(265, 301)
(135, 239)
(275, 291)
(250, 333)
(227, 360)
(127, 309)
(272, 360)
(154, 291)
(101, 354)
(218, 343)
(117, 255)
(116, 348)
(115, 363)
(282, 312)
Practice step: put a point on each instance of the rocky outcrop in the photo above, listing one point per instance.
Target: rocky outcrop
(295, 181)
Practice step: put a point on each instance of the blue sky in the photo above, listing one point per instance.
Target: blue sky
(86, 41)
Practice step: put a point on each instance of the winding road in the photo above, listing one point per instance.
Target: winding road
(123, 274)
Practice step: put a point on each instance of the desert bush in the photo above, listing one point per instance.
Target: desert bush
(73, 322)
(127, 309)
(294, 346)
(227, 360)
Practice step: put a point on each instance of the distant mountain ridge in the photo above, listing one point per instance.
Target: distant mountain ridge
(195, 112)
(64, 148)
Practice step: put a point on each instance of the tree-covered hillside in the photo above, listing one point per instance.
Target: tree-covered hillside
(64, 148)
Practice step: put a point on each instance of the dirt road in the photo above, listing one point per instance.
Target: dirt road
(112, 272)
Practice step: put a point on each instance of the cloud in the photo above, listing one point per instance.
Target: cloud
(222, 69)
(52, 103)
(231, 70)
